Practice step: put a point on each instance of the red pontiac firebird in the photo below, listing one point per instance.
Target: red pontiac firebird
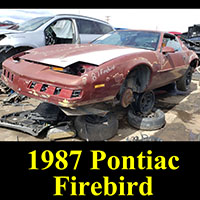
(123, 66)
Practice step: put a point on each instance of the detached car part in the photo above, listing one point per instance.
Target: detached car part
(153, 121)
(35, 121)
(14, 98)
(61, 131)
(96, 128)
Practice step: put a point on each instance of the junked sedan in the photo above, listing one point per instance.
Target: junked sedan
(121, 66)
(49, 30)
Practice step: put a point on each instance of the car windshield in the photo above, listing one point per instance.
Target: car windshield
(31, 24)
(138, 39)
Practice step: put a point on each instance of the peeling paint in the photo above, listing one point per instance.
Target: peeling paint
(84, 80)
(65, 103)
(35, 93)
(118, 77)
(45, 96)
(107, 79)
(5, 79)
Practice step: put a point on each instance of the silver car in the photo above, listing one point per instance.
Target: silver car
(49, 30)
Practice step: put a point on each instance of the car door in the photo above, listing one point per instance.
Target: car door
(173, 64)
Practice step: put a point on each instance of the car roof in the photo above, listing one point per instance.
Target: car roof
(81, 17)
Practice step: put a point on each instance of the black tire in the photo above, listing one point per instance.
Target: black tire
(144, 102)
(170, 87)
(96, 130)
(183, 83)
(153, 121)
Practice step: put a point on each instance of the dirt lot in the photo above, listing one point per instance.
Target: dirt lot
(182, 113)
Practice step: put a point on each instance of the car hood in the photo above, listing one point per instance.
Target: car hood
(65, 55)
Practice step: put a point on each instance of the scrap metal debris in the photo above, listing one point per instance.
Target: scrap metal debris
(14, 98)
(61, 131)
(143, 137)
(4, 89)
(34, 121)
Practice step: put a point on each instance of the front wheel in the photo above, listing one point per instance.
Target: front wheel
(144, 102)
(183, 83)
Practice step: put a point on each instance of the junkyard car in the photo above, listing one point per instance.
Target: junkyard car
(49, 30)
(121, 66)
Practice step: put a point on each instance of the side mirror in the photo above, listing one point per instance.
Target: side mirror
(166, 50)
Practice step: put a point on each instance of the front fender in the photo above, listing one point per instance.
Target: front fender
(20, 40)
(193, 60)
(138, 61)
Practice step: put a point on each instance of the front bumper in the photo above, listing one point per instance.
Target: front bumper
(41, 91)
(49, 89)
(39, 81)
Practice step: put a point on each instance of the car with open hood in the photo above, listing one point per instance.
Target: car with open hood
(114, 66)
(121, 67)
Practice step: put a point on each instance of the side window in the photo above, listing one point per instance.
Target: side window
(86, 26)
(172, 42)
(103, 28)
(91, 27)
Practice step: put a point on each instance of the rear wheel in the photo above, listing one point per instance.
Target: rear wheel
(183, 83)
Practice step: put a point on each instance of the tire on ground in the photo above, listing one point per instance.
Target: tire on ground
(153, 121)
(96, 131)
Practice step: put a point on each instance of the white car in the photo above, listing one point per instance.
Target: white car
(49, 30)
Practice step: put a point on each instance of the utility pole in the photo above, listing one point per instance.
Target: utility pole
(107, 18)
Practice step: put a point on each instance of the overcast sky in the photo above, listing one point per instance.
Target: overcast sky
(153, 19)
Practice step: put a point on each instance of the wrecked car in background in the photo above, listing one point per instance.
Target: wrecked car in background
(41, 31)
(192, 38)
(121, 67)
